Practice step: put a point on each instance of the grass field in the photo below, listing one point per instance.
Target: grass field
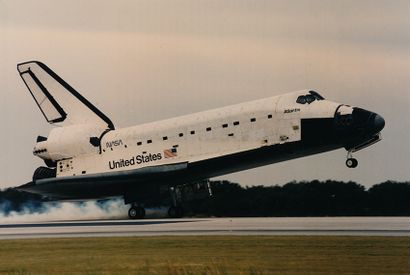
(207, 255)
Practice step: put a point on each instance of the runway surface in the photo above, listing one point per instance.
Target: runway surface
(354, 226)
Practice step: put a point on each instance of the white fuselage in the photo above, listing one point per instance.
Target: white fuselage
(191, 138)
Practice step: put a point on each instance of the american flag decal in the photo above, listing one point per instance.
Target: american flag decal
(170, 153)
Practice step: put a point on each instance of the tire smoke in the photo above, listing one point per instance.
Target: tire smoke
(58, 211)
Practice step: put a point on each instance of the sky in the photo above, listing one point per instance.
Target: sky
(141, 61)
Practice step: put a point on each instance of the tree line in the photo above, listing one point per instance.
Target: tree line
(314, 198)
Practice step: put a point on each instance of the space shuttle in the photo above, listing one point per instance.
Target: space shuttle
(170, 161)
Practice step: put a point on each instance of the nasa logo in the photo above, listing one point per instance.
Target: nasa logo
(113, 143)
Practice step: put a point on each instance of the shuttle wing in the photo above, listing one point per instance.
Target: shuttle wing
(104, 184)
(57, 100)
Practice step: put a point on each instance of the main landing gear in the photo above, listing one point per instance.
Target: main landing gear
(351, 162)
(136, 212)
(175, 212)
(179, 195)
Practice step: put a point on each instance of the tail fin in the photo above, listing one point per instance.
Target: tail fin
(57, 100)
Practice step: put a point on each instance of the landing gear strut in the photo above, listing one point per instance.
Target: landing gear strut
(351, 162)
(175, 212)
(136, 212)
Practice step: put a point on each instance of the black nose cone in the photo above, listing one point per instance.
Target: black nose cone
(378, 123)
(366, 123)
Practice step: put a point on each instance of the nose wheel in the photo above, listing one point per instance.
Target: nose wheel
(351, 162)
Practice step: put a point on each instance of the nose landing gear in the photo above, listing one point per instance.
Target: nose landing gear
(351, 162)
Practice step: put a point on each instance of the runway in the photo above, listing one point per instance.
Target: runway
(353, 226)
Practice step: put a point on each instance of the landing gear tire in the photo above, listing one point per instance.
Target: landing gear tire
(136, 212)
(352, 162)
(175, 212)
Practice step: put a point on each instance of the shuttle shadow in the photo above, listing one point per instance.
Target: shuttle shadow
(93, 223)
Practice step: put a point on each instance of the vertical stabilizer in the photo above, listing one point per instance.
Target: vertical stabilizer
(59, 102)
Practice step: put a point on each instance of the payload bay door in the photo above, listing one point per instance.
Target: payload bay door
(289, 115)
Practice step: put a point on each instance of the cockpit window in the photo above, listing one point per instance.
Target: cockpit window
(309, 98)
(316, 95)
(301, 99)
